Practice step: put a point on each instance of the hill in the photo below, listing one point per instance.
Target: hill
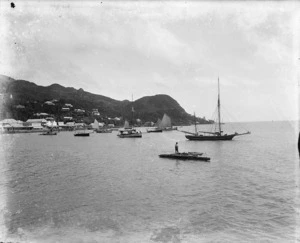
(22, 100)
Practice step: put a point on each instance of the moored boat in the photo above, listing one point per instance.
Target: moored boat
(81, 134)
(154, 129)
(166, 124)
(50, 132)
(216, 135)
(103, 130)
(100, 129)
(129, 133)
(51, 125)
(186, 156)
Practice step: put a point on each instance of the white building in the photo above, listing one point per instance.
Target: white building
(49, 103)
(37, 123)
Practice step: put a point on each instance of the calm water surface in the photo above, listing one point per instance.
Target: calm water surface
(106, 189)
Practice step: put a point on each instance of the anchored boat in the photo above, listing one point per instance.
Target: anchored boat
(156, 128)
(101, 129)
(50, 132)
(166, 124)
(104, 130)
(82, 133)
(213, 136)
(128, 131)
(50, 126)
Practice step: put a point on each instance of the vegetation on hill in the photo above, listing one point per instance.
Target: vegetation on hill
(22, 100)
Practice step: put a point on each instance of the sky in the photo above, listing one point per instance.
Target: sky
(119, 49)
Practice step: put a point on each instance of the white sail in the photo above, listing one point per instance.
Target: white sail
(157, 124)
(95, 125)
(126, 124)
(51, 124)
(166, 122)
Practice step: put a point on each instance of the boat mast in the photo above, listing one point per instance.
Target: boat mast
(219, 112)
(195, 124)
(132, 110)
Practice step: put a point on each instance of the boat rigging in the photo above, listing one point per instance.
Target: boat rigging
(213, 136)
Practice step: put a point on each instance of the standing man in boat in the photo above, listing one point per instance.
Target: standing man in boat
(176, 148)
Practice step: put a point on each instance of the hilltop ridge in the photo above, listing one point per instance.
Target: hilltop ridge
(23, 99)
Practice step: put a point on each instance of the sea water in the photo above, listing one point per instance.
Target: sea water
(104, 188)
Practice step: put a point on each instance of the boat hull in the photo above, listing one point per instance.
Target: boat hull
(185, 156)
(154, 130)
(103, 131)
(82, 135)
(167, 129)
(49, 133)
(138, 135)
(210, 138)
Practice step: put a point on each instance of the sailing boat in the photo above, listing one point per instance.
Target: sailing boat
(166, 124)
(213, 136)
(82, 133)
(128, 131)
(156, 128)
(97, 128)
(95, 125)
(51, 124)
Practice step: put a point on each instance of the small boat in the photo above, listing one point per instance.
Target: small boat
(186, 156)
(217, 135)
(50, 132)
(50, 125)
(103, 130)
(82, 133)
(96, 127)
(166, 124)
(154, 129)
(129, 133)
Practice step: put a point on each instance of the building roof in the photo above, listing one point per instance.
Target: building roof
(16, 125)
(36, 120)
(49, 103)
(41, 114)
(70, 124)
(79, 110)
(8, 121)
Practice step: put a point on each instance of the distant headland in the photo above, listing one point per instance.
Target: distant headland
(23, 100)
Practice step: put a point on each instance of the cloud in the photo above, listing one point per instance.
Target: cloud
(117, 48)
